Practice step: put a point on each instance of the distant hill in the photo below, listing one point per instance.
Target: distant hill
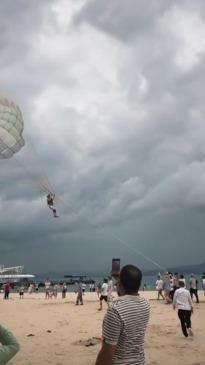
(187, 269)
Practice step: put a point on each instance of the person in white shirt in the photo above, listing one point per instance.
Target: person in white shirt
(183, 302)
(110, 290)
(193, 282)
(83, 288)
(182, 278)
(104, 294)
(159, 287)
(47, 288)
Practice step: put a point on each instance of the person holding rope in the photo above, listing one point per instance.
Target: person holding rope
(50, 202)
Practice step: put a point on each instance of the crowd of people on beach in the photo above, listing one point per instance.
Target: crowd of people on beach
(123, 316)
(167, 285)
(172, 288)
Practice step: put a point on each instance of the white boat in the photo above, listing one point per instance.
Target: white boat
(13, 274)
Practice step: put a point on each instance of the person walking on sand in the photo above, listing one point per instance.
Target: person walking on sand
(9, 345)
(159, 287)
(125, 323)
(193, 282)
(21, 292)
(104, 294)
(182, 278)
(183, 302)
(99, 286)
(79, 291)
(47, 288)
(167, 288)
(64, 290)
(83, 287)
(7, 288)
(110, 290)
(55, 291)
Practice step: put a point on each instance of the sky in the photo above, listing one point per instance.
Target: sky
(111, 94)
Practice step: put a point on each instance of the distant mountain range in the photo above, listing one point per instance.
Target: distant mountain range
(187, 269)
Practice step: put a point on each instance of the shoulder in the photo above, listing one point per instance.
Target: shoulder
(128, 301)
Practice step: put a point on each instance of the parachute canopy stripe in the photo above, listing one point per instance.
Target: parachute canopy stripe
(11, 128)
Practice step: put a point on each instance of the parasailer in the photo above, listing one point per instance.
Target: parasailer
(50, 202)
(11, 141)
(11, 128)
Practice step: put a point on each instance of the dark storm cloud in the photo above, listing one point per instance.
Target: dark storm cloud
(123, 20)
(130, 19)
(116, 127)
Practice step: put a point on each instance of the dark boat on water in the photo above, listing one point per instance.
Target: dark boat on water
(73, 279)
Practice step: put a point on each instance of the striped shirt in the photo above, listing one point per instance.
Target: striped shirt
(124, 325)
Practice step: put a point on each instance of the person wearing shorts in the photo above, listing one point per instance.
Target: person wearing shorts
(104, 294)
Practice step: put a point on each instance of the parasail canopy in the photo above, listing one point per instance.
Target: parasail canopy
(11, 128)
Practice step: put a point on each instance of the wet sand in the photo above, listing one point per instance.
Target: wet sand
(57, 332)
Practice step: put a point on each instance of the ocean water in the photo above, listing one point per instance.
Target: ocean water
(148, 282)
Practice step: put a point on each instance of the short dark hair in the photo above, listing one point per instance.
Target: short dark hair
(130, 278)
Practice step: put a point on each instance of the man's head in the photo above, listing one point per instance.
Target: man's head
(181, 283)
(130, 280)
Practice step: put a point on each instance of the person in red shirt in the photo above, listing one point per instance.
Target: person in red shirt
(7, 288)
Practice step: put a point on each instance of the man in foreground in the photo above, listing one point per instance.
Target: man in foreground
(125, 323)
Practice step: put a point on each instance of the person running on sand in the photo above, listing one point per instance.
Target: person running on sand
(183, 302)
(9, 345)
(159, 287)
(104, 294)
(125, 323)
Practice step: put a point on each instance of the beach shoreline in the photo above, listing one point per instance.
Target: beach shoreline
(56, 331)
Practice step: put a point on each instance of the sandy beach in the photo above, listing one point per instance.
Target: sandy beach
(57, 332)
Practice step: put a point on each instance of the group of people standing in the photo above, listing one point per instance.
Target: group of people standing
(167, 286)
(172, 288)
(51, 289)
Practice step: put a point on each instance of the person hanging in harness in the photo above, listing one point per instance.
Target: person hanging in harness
(50, 202)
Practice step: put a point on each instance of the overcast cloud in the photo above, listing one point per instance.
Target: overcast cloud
(112, 95)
